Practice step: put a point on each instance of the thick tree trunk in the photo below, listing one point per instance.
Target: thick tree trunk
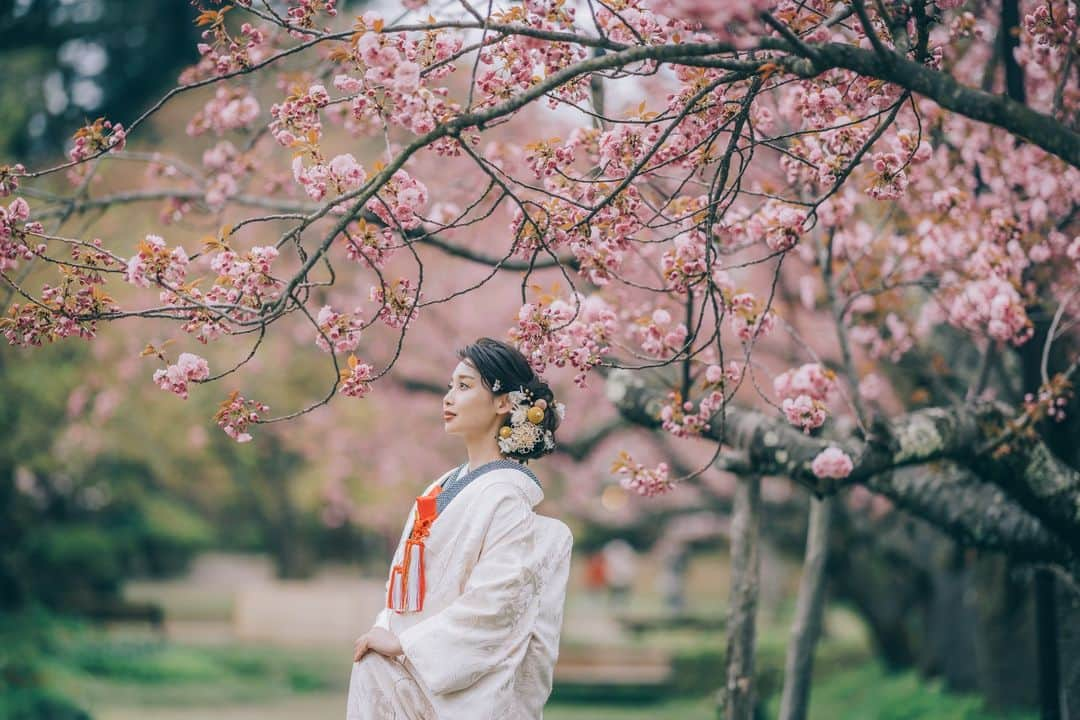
(742, 611)
(1068, 610)
(1006, 646)
(809, 609)
(1046, 627)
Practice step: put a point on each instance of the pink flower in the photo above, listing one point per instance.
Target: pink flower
(407, 77)
(154, 262)
(356, 379)
(714, 374)
(175, 378)
(832, 463)
(805, 412)
(639, 479)
(341, 329)
(236, 413)
(397, 307)
(9, 178)
(810, 379)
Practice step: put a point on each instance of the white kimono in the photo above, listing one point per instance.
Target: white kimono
(485, 644)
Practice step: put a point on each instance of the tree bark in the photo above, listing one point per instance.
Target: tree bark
(809, 609)
(1033, 480)
(1068, 607)
(742, 610)
(1046, 627)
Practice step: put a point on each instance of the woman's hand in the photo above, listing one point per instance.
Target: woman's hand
(381, 641)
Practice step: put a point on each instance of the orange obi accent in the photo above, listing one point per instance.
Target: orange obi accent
(406, 593)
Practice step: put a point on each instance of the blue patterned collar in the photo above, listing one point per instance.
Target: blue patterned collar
(457, 482)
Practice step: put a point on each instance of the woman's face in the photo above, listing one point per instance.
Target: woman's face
(469, 408)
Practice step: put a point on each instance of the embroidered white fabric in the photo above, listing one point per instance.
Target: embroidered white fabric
(485, 645)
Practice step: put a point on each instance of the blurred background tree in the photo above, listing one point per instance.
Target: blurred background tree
(69, 60)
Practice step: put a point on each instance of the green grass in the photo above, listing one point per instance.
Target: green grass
(694, 709)
(98, 672)
(120, 677)
(868, 692)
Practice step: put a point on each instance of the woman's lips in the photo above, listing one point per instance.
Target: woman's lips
(448, 415)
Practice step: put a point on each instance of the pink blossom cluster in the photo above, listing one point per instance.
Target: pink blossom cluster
(994, 307)
(399, 201)
(396, 68)
(639, 479)
(342, 174)
(601, 254)
(222, 53)
(154, 262)
(1052, 400)
(229, 109)
(235, 415)
(804, 391)
(296, 119)
(368, 244)
(679, 418)
(397, 307)
(548, 157)
(891, 339)
(9, 178)
(13, 233)
(175, 378)
(548, 333)
(339, 330)
(779, 224)
(243, 284)
(683, 265)
(621, 149)
(518, 62)
(356, 380)
(658, 337)
(29, 325)
(228, 166)
(64, 310)
(810, 379)
(97, 137)
(749, 319)
(1054, 29)
(832, 462)
(718, 17)
(889, 181)
(302, 13)
(718, 376)
(634, 20)
(204, 325)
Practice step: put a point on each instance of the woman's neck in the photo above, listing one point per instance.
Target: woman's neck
(482, 450)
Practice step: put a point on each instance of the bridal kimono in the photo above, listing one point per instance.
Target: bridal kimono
(481, 638)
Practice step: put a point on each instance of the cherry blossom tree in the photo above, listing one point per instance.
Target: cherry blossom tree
(651, 174)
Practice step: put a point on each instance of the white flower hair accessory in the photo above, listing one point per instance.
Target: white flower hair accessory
(524, 432)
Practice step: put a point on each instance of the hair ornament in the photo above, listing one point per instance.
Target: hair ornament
(524, 431)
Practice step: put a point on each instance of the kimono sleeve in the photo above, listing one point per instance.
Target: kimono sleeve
(490, 622)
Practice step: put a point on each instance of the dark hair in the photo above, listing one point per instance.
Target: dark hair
(499, 361)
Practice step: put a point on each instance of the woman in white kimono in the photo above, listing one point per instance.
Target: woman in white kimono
(475, 598)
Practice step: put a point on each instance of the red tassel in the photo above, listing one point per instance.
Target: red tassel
(407, 584)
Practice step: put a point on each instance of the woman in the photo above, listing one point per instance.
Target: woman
(474, 602)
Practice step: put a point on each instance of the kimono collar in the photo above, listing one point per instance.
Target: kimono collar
(504, 469)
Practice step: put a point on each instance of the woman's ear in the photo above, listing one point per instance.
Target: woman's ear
(502, 404)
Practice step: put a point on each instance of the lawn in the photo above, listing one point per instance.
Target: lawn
(125, 679)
